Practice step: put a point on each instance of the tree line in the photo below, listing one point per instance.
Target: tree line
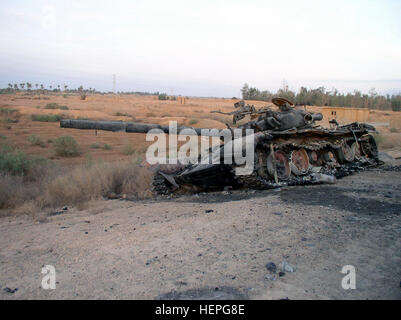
(29, 87)
(322, 97)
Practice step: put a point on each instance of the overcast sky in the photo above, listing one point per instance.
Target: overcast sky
(204, 48)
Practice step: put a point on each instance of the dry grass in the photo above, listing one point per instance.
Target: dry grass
(50, 189)
(83, 183)
(387, 141)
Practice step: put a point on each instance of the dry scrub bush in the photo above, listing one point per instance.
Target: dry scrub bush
(83, 183)
(128, 150)
(36, 140)
(66, 146)
(388, 141)
(29, 183)
(9, 190)
(50, 189)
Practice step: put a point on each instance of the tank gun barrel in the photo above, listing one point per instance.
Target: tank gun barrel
(131, 127)
(312, 117)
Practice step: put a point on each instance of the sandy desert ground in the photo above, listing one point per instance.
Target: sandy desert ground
(213, 245)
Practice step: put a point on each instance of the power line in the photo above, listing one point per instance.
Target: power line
(114, 83)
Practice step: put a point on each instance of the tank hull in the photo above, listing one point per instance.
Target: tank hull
(294, 157)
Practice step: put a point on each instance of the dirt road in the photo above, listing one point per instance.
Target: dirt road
(215, 245)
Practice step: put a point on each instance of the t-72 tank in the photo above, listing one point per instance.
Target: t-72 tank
(289, 148)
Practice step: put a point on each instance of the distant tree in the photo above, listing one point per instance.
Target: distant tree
(245, 91)
(372, 93)
(321, 97)
(163, 96)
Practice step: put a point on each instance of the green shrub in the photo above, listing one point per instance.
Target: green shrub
(66, 146)
(7, 111)
(162, 96)
(51, 105)
(46, 117)
(36, 140)
(54, 105)
(100, 146)
(121, 114)
(9, 120)
(5, 147)
(16, 162)
(193, 121)
(95, 145)
(393, 130)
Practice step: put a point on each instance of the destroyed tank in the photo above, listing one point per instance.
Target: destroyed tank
(289, 149)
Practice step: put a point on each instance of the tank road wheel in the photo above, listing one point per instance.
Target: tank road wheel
(345, 153)
(369, 146)
(278, 163)
(261, 163)
(314, 158)
(299, 162)
(329, 158)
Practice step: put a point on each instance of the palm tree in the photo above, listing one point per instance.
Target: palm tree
(28, 86)
(15, 86)
(65, 87)
(36, 85)
(22, 85)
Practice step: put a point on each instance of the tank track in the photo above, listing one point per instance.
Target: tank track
(255, 181)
